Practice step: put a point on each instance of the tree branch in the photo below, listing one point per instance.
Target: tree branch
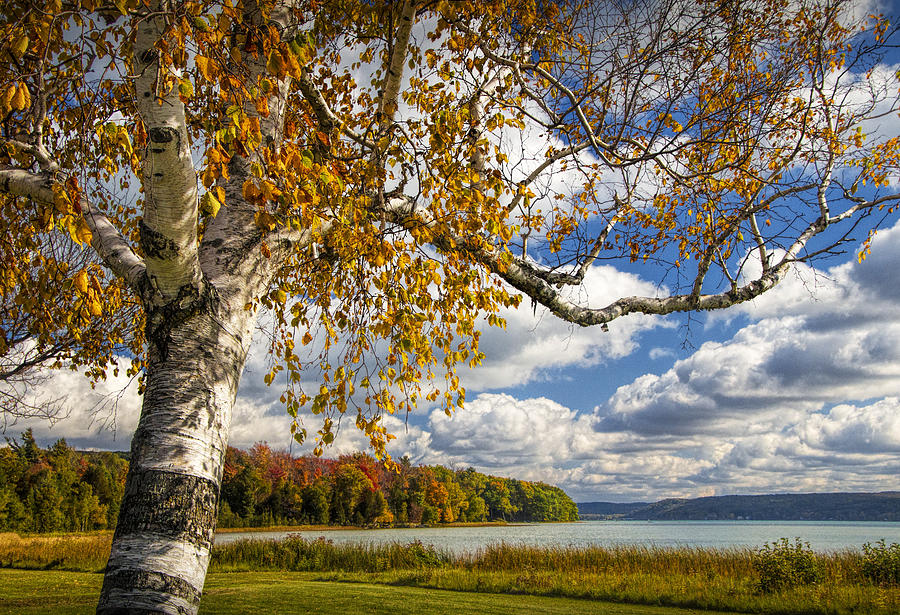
(113, 249)
(169, 224)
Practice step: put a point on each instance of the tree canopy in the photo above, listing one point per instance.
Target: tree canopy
(382, 178)
(402, 157)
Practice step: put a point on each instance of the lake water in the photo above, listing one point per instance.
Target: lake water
(822, 536)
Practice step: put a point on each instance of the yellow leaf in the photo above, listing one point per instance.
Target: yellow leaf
(7, 97)
(20, 46)
(262, 106)
(250, 191)
(83, 232)
(203, 67)
(94, 307)
(265, 220)
(275, 63)
(81, 282)
(307, 338)
(95, 285)
(209, 204)
(22, 98)
(185, 88)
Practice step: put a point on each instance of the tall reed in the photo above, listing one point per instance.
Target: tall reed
(296, 554)
(76, 552)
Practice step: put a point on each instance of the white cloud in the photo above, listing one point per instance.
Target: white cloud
(661, 353)
(845, 448)
(102, 417)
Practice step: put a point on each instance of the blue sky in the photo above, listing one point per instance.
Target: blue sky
(798, 390)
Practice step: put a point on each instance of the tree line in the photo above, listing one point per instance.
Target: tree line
(58, 488)
(62, 489)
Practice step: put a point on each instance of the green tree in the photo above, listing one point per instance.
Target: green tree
(244, 492)
(285, 503)
(85, 510)
(316, 507)
(477, 509)
(12, 511)
(348, 495)
(496, 496)
(106, 476)
(28, 450)
(44, 504)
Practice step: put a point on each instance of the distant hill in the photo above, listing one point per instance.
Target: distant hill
(884, 506)
(588, 510)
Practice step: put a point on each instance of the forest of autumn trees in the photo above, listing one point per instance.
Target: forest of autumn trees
(61, 489)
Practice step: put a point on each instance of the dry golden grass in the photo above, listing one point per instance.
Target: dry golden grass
(85, 552)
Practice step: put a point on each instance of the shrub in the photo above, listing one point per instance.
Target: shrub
(781, 565)
(881, 563)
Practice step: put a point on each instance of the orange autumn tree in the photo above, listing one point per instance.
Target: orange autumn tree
(383, 178)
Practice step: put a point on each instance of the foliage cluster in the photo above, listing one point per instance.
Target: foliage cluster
(881, 563)
(265, 487)
(781, 564)
(59, 488)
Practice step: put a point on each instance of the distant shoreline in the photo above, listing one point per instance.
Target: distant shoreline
(336, 528)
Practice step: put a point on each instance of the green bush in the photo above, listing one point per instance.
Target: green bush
(881, 563)
(781, 565)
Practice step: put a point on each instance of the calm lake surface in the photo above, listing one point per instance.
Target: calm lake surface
(822, 536)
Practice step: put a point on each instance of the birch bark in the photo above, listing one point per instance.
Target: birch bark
(168, 517)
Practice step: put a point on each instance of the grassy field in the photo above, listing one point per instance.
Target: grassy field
(785, 578)
(24, 592)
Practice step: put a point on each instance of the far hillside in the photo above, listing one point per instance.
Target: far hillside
(884, 506)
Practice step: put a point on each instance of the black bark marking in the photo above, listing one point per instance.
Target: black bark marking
(148, 56)
(155, 244)
(161, 320)
(163, 134)
(178, 506)
(130, 579)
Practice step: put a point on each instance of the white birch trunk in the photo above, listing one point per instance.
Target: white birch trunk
(167, 521)
(198, 333)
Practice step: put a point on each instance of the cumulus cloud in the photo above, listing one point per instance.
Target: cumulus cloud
(102, 417)
(848, 447)
(805, 396)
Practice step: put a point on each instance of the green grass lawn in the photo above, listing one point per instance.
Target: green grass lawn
(24, 592)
